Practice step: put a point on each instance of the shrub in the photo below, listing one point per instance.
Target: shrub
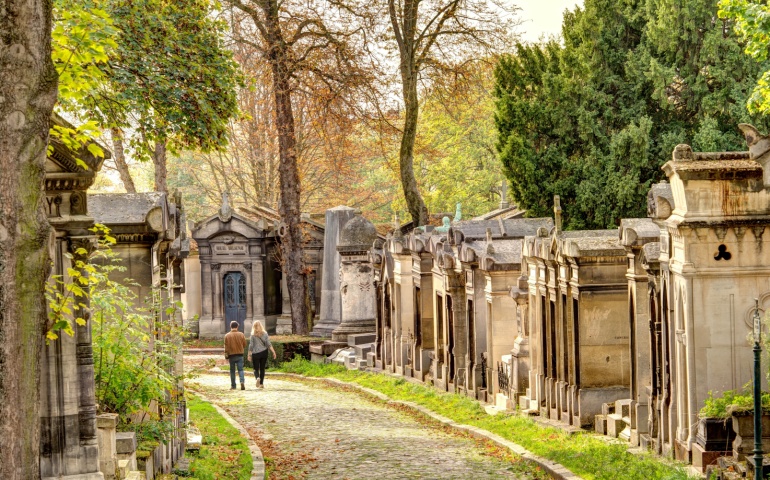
(731, 401)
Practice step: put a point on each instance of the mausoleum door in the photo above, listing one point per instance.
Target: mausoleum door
(235, 299)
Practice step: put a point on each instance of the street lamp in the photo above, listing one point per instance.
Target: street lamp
(758, 456)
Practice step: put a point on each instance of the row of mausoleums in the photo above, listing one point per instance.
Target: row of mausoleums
(624, 330)
(77, 441)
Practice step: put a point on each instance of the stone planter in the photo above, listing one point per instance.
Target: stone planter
(743, 425)
(716, 434)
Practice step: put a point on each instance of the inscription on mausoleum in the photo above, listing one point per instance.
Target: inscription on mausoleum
(237, 249)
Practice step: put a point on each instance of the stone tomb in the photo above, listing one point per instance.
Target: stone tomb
(68, 433)
(240, 280)
(240, 273)
(718, 262)
(578, 323)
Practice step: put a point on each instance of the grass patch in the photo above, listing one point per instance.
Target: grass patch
(583, 453)
(224, 453)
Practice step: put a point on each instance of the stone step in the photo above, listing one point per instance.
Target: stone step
(363, 350)
(623, 407)
(326, 348)
(122, 468)
(361, 339)
(493, 409)
(600, 424)
(125, 442)
(625, 434)
(615, 424)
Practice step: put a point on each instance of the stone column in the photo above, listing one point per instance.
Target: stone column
(257, 283)
(84, 352)
(520, 351)
(219, 311)
(206, 298)
(455, 288)
(248, 278)
(358, 295)
(283, 324)
(330, 312)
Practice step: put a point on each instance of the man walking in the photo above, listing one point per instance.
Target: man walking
(235, 343)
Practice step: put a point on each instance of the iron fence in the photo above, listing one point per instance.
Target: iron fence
(503, 376)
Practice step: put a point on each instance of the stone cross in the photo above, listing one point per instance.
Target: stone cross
(504, 195)
(557, 212)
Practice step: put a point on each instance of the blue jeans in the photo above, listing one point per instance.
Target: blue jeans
(236, 360)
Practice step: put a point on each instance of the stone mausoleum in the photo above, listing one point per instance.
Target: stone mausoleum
(240, 270)
(68, 433)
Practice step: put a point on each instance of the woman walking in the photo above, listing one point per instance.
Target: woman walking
(258, 346)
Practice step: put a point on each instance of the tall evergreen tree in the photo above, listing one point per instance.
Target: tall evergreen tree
(593, 119)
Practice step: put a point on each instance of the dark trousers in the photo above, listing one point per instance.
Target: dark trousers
(259, 360)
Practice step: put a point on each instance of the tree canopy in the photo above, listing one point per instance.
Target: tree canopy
(594, 118)
(157, 68)
(752, 24)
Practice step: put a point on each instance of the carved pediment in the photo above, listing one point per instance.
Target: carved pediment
(237, 225)
(63, 173)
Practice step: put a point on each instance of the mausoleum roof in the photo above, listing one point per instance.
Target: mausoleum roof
(510, 228)
(592, 243)
(123, 208)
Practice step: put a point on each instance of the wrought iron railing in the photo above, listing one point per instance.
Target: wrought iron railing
(503, 377)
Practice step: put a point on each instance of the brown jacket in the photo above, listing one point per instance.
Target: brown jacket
(235, 343)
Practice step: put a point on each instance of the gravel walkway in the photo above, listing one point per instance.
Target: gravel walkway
(320, 433)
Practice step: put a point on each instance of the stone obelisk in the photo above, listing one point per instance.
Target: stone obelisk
(331, 310)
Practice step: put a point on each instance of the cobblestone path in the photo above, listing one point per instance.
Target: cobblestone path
(333, 434)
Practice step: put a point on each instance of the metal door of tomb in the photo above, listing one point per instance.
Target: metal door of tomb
(235, 299)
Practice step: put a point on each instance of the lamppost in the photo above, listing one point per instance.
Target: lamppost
(758, 456)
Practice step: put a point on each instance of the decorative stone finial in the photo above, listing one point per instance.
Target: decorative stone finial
(490, 247)
(557, 212)
(397, 227)
(358, 234)
(758, 144)
(225, 211)
(682, 153)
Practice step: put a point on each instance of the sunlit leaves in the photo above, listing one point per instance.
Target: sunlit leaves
(752, 23)
(136, 343)
(83, 37)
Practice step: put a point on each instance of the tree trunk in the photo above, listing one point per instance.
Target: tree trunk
(120, 160)
(414, 201)
(289, 205)
(28, 93)
(159, 159)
